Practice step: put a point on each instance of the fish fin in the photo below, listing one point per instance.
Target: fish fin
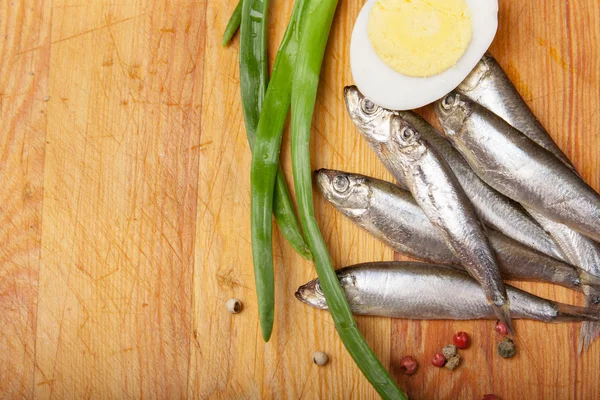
(590, 283)
(568, 313)
(589, 330)
(503, 314)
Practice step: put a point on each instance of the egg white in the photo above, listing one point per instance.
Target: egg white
(390, 89)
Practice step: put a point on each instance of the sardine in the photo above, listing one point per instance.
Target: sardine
(516, 166)
(489, 86)
(584, 253)
(421, 291)
(496, 210)
(391, 214)
(410, 158)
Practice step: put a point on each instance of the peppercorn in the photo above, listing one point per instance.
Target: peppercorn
(507, 348)
(320, 358)
(449, 351)
(501, 328)
(438, 360)
(409, 365)
(453, 362)
(234, 306)
(461, 340)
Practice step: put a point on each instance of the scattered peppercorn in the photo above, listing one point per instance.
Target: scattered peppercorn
(461, 340)
(453, 362)
(490, 397)
(438, 360)
(234, 306)
(320, 358)
(449, 351)
(409, 365)
(501, 328)
(507, 348)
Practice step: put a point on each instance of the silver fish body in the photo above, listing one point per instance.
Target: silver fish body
(441, 197)
(495, 209)
(422, 291)
(415, 163)
(516, 166)
(584, 253)
(392, 215)
(489, 86)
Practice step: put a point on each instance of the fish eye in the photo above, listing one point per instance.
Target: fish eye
(449, 101)
(407, 133)
(368, 106)
(341, 183)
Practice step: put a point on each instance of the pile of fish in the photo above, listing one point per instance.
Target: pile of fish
(493, 199)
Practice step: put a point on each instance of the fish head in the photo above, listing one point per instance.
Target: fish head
(347, 192)
(406, 139)
(477, 76)
(372, 121)
(452, 110)
(312, 294)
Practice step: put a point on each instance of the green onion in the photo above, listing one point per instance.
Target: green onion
(233, 24)
(267, 145)
(253, 83)
(305, 82)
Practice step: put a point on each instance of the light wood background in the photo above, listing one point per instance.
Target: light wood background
(124, 211)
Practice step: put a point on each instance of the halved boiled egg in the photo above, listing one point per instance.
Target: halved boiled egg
(405, 54)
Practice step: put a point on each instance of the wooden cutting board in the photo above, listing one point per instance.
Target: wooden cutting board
(124, 211)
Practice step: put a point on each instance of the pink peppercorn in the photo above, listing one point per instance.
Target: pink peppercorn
(409, 365)
(461, 340)
(501, 328)
(438, 360)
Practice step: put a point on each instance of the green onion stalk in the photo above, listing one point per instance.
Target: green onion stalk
(305, 82)
(253, 84)
(267, 146)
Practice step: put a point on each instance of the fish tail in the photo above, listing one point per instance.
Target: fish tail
(569, 313)
(590, 283)
(503, 314)
(589, 330)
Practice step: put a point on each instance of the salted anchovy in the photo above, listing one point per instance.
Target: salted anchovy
(516, 166)
(496, 210)
(584, 253)
(392, 215)
(489, 86)
(422, 291)
(410, 158)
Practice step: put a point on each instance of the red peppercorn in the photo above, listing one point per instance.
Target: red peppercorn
(408, 365)
(501, 328)
(438, 360)
(461, 340)
(490, 397)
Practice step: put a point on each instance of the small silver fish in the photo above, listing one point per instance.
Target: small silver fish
(584, 253)
(496, 210)
(489, 86)
(392, 215)
(422, 291)
(413, 161)
(516, 166)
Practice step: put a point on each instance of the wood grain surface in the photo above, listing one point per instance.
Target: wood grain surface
(124, 211)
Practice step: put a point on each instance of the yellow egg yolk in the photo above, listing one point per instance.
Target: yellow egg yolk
(420, 37)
